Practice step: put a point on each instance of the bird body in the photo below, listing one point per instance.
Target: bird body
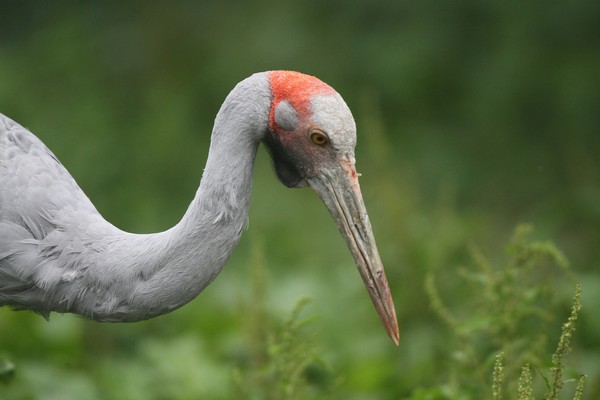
(57, 253)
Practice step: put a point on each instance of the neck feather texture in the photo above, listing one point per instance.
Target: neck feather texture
(141, 276)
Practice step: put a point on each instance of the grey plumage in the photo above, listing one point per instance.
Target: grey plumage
(57, 253)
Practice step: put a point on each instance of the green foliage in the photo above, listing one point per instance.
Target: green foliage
(512, 310)
(579, 390)
(290, 368)
(498, 377)
(471, 115)
(564, 347)
(284, 361)
(556, 383)
(525, 387)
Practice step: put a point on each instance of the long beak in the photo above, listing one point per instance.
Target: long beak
(339, 190)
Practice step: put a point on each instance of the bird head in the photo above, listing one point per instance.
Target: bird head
(311, 138)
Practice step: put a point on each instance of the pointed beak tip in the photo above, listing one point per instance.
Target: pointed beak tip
(390, 323)
(395, 336)
(342, 197)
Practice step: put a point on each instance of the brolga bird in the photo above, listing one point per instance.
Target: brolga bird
(57, 253)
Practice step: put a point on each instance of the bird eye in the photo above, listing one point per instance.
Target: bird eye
(318, 137)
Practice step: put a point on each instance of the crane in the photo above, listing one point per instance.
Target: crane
(58, 254)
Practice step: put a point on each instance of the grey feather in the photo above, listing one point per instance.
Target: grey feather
(57, 253)
(286, 116)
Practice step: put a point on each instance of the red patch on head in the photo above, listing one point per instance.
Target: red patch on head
(297, 88)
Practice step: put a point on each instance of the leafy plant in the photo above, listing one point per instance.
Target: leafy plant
(508, 316)
(284, 361)
(556, 382)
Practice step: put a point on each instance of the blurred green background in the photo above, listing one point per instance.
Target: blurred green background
(473, 116)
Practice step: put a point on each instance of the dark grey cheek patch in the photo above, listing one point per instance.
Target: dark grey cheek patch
(286, 116)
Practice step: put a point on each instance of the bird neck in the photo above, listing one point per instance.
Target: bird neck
(200, 244)
(177, 264)
(223, 197)
(111, 275)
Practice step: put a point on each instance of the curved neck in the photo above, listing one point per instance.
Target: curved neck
(200, 244)
(168, 269)
(224, 192)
